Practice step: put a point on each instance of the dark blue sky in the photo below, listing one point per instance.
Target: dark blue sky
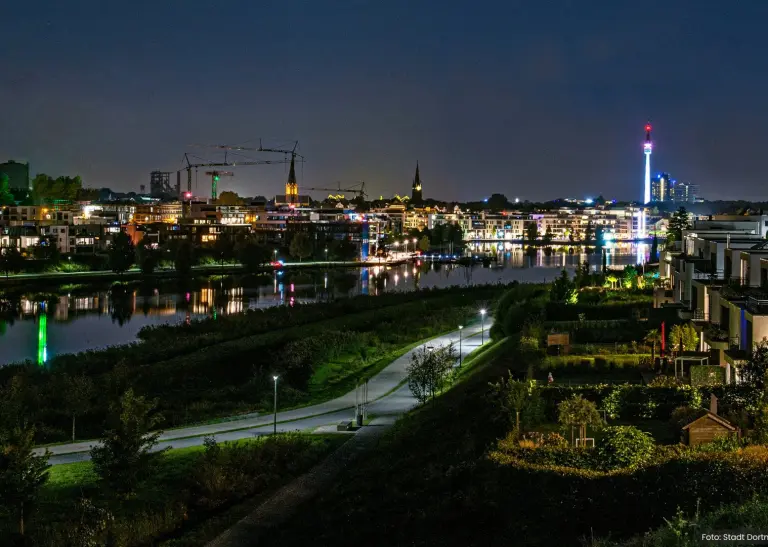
(532, 99)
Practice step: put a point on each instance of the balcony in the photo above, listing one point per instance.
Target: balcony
(758, 305)
(716, 337)
(700, 315)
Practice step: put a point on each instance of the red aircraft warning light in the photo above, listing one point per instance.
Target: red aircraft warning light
(647, 127)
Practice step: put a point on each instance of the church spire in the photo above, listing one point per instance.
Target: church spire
(291, 187)
(416, 194)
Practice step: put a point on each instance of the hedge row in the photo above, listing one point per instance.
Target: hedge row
(585, 364)
(622, 503)
(557, 312)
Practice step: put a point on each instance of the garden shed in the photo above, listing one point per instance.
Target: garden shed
(707, 428)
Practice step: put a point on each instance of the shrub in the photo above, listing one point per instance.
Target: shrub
(706, 375)
(665, 381)
(682, 416)
(624, 446)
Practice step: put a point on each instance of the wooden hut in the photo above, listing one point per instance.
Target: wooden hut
(708, 427)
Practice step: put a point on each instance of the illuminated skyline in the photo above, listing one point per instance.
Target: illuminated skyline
(538, 101)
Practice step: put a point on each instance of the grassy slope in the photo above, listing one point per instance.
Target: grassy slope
(409, 492)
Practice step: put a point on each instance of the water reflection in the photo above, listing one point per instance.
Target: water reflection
(65, 319)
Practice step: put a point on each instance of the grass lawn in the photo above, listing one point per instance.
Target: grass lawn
(340, 376)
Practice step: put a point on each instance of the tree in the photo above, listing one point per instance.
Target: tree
(497, 202)
(6, 197)
(45, 189)
(223, 248)
(753, 372)
(583, 276)
(147, 256)
(532, 233)
(11, 260)
(678, 222)
(92, 523)
(253, 256)
(683, 337)
(229, 198)
(514, 319)
(120, 253)
(123, 460)
(653, 256)
(580, 412)
(428, 369)
(184, 257)
(599, 237)
(301, 245)
(653, 338)
(624, 447)
(424, 244)
(22, 472)
(76, 394)
(518, 397)
(547, 237)
(564, 290)
(629, 277)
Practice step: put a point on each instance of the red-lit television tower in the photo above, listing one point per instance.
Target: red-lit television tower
(647, 150)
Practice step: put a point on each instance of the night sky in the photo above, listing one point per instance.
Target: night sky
(533, 99)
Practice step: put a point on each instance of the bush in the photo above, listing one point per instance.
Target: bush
(707, 375)
(581, 365)
(665, 381)
(674, 479)
(624, 446)
(625, 401)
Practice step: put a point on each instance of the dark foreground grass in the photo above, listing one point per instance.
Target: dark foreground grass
(173, 507)
(409, 491)
(682, 530)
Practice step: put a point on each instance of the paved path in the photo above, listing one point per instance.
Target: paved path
(382, 401)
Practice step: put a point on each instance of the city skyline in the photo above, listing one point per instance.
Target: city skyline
(485, 105)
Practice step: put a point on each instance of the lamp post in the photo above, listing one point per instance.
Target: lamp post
(406, 245)
(482, 326)
(326, 254)
(274, 429)
(460, 327)
(414, 244)
(275, 253)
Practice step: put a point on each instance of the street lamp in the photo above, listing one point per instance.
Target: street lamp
(482, 327)
(460, 327)
(414, 244)
(275, 253)
(326, 254)
(275, 422)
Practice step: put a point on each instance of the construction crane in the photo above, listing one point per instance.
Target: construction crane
(294, 156)
(358, 189)
(215, 179)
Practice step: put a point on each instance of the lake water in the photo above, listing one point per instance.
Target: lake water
(39, 322)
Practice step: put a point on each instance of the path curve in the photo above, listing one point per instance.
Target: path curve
(384, 396)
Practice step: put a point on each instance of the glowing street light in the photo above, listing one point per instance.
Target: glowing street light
(460, 327)
(274, 430)
(482, 326)
(326, 254)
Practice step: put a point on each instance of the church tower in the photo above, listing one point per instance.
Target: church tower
(416, 195)
(292, 187)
